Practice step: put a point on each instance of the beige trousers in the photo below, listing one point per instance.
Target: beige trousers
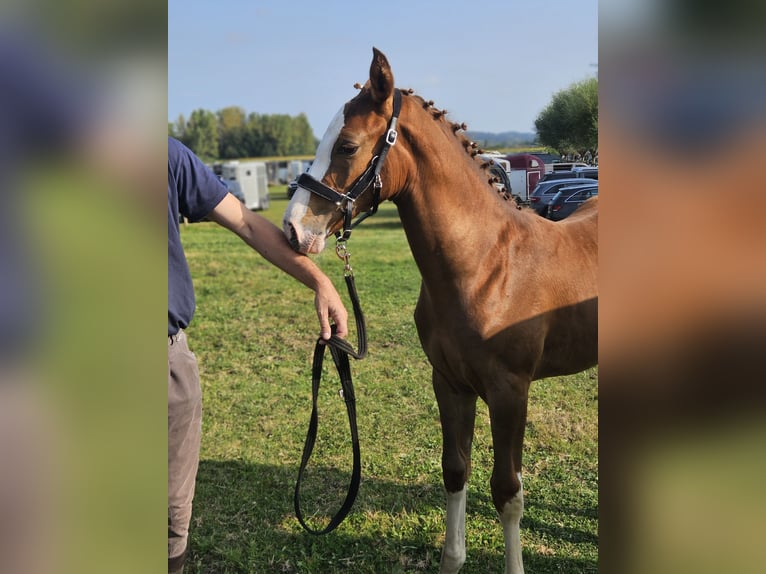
(184, 430)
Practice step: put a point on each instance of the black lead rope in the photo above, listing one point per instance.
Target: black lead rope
(340, 349)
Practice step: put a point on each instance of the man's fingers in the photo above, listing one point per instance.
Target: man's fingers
(324, 326)
(341, 326)
(341, 334)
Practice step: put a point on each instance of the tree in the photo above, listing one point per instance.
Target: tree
(261, 141)
(178, 128)
(569, 123)
(304, 142)
(231, 133)
(201, 134)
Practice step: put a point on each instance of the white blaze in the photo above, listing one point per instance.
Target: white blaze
(299, 203)
(324, 151)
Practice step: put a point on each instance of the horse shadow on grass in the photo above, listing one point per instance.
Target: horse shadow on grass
(244, 522)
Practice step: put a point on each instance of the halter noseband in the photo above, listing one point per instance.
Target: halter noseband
(371, 175)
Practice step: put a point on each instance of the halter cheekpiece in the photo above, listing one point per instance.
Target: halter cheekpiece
(370, 176)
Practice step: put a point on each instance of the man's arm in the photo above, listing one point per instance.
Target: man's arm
(268, 240)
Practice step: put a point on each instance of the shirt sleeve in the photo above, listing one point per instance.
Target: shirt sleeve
(199, 189)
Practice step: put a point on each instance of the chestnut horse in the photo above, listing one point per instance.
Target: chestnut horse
(507, 297)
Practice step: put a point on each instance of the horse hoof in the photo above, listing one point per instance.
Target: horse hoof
(451, 564)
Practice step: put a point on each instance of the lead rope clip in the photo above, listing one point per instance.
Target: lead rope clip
(341, 250)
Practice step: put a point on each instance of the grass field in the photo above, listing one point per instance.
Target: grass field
(254, 333)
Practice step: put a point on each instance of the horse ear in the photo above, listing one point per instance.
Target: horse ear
(381, 77)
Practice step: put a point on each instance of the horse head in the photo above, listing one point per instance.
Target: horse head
(340, 184)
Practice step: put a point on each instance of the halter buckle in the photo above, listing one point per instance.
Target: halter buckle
(345, 203)
(391, 135)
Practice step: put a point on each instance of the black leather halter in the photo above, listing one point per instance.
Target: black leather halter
(371, 176)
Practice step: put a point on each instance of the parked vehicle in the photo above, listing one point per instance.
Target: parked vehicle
(551, 175)
(589, 172)
(567, 165)
(568, 199)
(526, 171)
(251, 176)
(545, 190)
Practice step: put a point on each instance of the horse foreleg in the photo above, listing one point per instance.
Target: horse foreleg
(453, 553)
(510, 518)
(508, 415)
(457, 412)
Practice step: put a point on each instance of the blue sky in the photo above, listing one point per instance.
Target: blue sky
(492, 65)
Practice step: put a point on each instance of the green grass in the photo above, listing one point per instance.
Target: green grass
(254, 333)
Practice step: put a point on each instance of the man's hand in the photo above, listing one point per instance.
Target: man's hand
(329, 306)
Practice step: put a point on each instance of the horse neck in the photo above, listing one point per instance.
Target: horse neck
(453, 219)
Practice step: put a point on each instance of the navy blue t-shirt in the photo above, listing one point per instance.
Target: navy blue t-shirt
(193, 191)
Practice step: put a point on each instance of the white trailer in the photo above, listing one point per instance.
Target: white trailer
(294, 169)
(519, 184)
(253, 180)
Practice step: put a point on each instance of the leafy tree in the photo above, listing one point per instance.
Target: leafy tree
(232, 133)
(278, 130)
(304, 142)
(262, 139)
(569, 123)
(178, 128)
(201, 134)
(231, 129)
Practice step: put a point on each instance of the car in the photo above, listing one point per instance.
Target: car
(567, 165)
(551, 175)
(568, 199)
(545, 190)
(589, 172)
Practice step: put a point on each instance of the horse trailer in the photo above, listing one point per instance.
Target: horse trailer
(253, 180)
(526, 171)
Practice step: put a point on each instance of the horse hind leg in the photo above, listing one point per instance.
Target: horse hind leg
(457, 412)
(508, 416)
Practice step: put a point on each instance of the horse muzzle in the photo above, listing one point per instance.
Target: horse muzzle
(303, 240)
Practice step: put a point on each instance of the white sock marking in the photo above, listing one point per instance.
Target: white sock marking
(510, 518)
(453, 553)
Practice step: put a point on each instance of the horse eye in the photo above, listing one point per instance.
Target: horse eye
(347, 148)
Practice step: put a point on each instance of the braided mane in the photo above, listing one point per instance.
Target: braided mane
(458, 129)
